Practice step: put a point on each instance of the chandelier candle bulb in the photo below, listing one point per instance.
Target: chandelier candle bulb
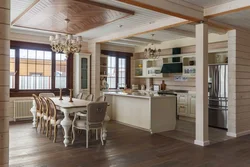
(51, 38)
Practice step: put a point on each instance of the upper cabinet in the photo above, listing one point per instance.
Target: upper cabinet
(148, 68)
(139, 68)
(184, 64)
(81, 73)
(189, 67)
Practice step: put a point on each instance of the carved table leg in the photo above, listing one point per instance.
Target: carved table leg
(33, 111)
(66, 124)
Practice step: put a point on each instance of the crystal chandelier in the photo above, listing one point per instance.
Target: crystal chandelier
(151, 52)
(65, 43)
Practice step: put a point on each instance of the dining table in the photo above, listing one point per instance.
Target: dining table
(67, 108)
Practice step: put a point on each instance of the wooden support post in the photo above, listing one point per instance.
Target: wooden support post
(201, 129)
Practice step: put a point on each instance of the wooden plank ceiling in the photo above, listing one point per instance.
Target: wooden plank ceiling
(50, 15)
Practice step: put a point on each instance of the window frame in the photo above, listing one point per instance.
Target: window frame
(118, 55)
(16, 92)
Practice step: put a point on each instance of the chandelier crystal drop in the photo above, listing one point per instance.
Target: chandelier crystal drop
(151, 52)
(65, 43)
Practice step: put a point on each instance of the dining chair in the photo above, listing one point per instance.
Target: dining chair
(39, 113)
(46, 117)
(89, 97)
(55, 119)
(47, 94)
(100, 98)
(93, 120)
(79, 95)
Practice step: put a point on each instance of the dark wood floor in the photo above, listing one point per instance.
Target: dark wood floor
(125, 147)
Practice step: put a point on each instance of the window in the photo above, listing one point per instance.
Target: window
(34, 68)
(118, 67)
(61, 71)
(12, 68)
(122, 72)
(111, 79)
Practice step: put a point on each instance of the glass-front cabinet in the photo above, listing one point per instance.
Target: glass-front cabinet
(84, 73)
(81, 73)
(139, 68)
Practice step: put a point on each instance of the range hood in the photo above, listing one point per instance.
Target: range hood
(175, 66)
(172, 68)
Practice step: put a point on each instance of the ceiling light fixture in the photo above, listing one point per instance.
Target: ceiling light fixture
(65, 43)
(151, 52)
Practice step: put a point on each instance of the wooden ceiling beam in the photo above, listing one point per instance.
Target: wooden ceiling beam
(142, 40)
(180, 32)
(159, 25)
(173, 8)
(129, 42)
(227, 8)
(123, 43)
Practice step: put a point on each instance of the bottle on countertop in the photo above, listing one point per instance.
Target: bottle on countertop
(163, 85)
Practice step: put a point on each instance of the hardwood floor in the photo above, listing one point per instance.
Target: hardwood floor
(125, 147)
(185, 131)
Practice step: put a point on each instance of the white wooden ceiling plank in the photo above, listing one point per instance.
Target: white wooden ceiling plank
(226, 8)
(207, 3)
(173, 8)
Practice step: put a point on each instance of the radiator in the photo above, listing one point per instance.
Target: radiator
(22, 109)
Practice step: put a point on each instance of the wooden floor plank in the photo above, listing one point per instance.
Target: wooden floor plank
(125, 147)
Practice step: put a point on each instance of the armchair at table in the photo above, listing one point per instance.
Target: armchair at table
(93, 120)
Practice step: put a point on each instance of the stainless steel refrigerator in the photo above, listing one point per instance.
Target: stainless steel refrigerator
(218, 95)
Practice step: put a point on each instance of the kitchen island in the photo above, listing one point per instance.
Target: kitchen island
(150, 113)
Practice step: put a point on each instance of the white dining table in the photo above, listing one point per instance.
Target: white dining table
(67, 108)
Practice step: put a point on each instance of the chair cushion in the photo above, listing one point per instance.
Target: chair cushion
(53, 122)
(46, 118)
(83, 124)
(39, 114)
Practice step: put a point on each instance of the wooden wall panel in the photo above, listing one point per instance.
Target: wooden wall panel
(239, 83)
(4, 82)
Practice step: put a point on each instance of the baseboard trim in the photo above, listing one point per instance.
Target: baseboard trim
(247, 132)
(202, 143)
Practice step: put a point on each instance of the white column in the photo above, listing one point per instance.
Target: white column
(4, 82)
(95, 50)
(201, 130)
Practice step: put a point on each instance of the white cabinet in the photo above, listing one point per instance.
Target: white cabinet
(182, 110)
(148, 68)
(186, 104)
(191, 104)
(182, 99)
(189, 69)
(81, 73)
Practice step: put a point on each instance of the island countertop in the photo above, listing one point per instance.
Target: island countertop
(138, 95)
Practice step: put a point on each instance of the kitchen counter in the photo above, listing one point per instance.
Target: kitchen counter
(151, 113)
(137, 95)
